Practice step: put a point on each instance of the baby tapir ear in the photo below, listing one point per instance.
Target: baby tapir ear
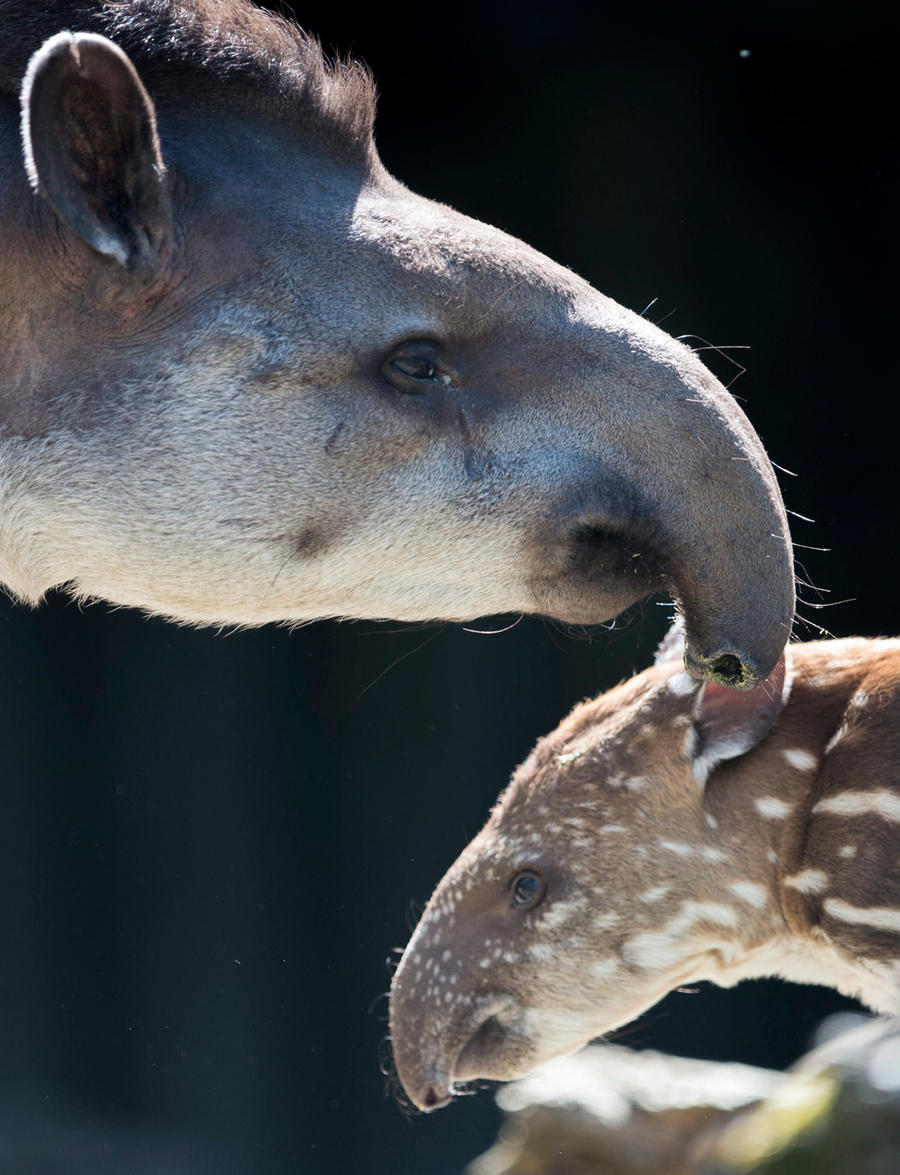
(92, 151)
(671, 647)
(730, 722)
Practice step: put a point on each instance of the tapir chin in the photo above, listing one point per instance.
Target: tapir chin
(248, 376)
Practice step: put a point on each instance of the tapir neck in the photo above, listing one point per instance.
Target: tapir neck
(824, 839)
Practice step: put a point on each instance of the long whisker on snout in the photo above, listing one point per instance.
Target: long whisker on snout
(393, 1086)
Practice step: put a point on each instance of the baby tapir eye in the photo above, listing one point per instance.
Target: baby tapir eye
(527, 889)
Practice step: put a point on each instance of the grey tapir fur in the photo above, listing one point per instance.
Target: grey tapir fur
(248, 376)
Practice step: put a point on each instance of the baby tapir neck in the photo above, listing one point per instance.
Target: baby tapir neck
(631, 854)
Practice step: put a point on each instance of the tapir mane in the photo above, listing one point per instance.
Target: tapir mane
(186, 50)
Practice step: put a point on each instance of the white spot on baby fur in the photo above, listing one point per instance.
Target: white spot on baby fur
(835, 739)
(859, 699)
(682, 720)
(848, 851)
(862, 803)
(681, 684)
(678, 847)
(771, 856)
(510, 957)
(771, 807)
(541, 952)
(604, 921)
(808, 881)
(653, 895)
(603, 969)
(448, 954)
(692, 912)
(801, 760)
(689, 745)
(569, 757)
(751, 892)
(560, 912)
(878, 917)
(651, 951)
(711, 821)
(635, 782)
(713, 855)
(613, 828)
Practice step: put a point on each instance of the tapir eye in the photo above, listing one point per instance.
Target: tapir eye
(526, 889)
(412, 365)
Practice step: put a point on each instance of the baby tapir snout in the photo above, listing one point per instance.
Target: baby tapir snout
(457, 989)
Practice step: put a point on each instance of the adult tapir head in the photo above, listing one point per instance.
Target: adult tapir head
(248, 376)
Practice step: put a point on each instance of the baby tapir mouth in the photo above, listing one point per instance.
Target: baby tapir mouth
(474, 1061)
(431, 1064)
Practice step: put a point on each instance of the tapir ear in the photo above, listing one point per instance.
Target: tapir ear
(730, 722)
(92, 151)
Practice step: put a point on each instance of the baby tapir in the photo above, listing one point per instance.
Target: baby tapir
(666, 832)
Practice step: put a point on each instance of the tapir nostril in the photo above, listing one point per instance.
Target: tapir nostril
(434, 1100)
(726, 668)
(729, 669)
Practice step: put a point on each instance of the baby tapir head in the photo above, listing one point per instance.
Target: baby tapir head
(600, 883)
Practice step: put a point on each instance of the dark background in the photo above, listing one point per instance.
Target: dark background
(210, 843)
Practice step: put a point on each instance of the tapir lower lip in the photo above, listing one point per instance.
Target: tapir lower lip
(489, 1035)
(431, 1086)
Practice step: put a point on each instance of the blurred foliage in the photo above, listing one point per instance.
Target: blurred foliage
(838, 1113)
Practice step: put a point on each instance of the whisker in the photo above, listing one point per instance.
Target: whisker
(495, 631)
(789, 472)
(397, 661)
(708, 346)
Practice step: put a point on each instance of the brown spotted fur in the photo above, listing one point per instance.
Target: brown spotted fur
(657, 875)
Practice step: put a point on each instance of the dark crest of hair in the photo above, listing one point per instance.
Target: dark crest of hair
(225, 54)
